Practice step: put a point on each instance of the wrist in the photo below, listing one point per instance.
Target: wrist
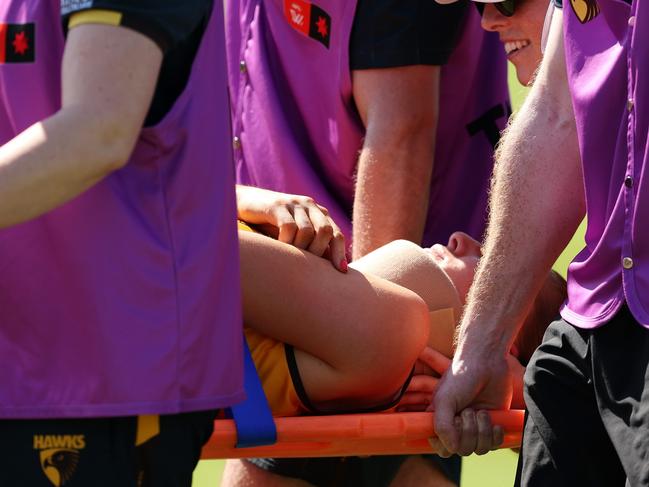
(483, 342)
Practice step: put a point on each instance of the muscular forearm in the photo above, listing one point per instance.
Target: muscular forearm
(391, 200)
(399, 107)
(537, 203)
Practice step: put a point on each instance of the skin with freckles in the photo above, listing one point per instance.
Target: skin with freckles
(520, 34)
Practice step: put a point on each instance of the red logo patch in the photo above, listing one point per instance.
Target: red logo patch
(309, 19)
(17, 43)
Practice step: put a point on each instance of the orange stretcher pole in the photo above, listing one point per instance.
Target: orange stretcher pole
(349, 435)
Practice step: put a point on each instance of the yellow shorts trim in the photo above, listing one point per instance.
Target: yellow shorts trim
(148, 426)
(95, 16)
(269, 357)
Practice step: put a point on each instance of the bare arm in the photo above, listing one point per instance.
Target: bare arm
(347, 328)
(399, 107)
(293, 219)
(109, 75)
(537, 203)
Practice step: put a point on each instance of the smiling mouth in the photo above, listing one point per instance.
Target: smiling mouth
(512, 47)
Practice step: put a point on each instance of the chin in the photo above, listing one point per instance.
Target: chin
(524, 75)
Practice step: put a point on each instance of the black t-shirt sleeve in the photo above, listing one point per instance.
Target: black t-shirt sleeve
(392, 33)
(167, 22)
(177, 26)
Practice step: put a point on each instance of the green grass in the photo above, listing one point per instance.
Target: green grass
(496, 469)
(208, 473)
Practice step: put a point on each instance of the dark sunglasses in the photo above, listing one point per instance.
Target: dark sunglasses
(505, 7)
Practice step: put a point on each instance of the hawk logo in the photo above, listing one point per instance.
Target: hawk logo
(309, 19)
(17, 43)
(585, 10)
(59, 456)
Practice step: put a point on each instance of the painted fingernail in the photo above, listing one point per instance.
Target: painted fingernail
(343, 265)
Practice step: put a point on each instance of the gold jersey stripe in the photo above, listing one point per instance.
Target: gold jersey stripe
(148, 426)
(95, 16)
(244, 226)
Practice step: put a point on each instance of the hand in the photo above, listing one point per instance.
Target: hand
(428, 370)
(475, 381)
(478, 435)
(518, 373)
(295, 220)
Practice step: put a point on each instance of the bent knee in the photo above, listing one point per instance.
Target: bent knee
(392, 348)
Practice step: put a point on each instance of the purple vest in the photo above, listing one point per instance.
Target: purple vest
(297, 130)
(608, 67)
(125, 300)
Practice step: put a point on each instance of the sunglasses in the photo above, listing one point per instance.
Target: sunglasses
(505, 7)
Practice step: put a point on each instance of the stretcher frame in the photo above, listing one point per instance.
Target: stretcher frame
(349, 435)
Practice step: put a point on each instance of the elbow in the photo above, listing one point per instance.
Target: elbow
(103, 141)
(114, 145)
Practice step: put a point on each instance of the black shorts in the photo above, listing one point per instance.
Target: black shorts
(140, 451)
(392, 33)
(586, 393)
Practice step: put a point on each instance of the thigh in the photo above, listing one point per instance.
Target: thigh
(564, 436)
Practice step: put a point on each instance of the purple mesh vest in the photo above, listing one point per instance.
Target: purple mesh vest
(125, 300)
(297, 130)
(607, 54)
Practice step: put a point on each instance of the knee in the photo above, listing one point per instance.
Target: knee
(396, 341)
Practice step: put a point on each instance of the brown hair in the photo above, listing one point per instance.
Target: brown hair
(544, 310)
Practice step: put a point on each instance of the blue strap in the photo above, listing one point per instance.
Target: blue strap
(252, 417)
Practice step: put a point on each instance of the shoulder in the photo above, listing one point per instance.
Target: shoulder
(167, 22)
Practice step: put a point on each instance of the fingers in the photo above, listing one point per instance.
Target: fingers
(498, 436)
(283, 219)
(435, 360)
(445, 422)
(486, 433)
(468, 426)
(308, 226)
(323, 230)
(327, 237)
(439, 448)
(416, 401)
(305, 232)
(477, 434)
(423, 383)
(337, 249)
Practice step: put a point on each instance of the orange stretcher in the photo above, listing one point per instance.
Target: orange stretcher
(348, 435)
